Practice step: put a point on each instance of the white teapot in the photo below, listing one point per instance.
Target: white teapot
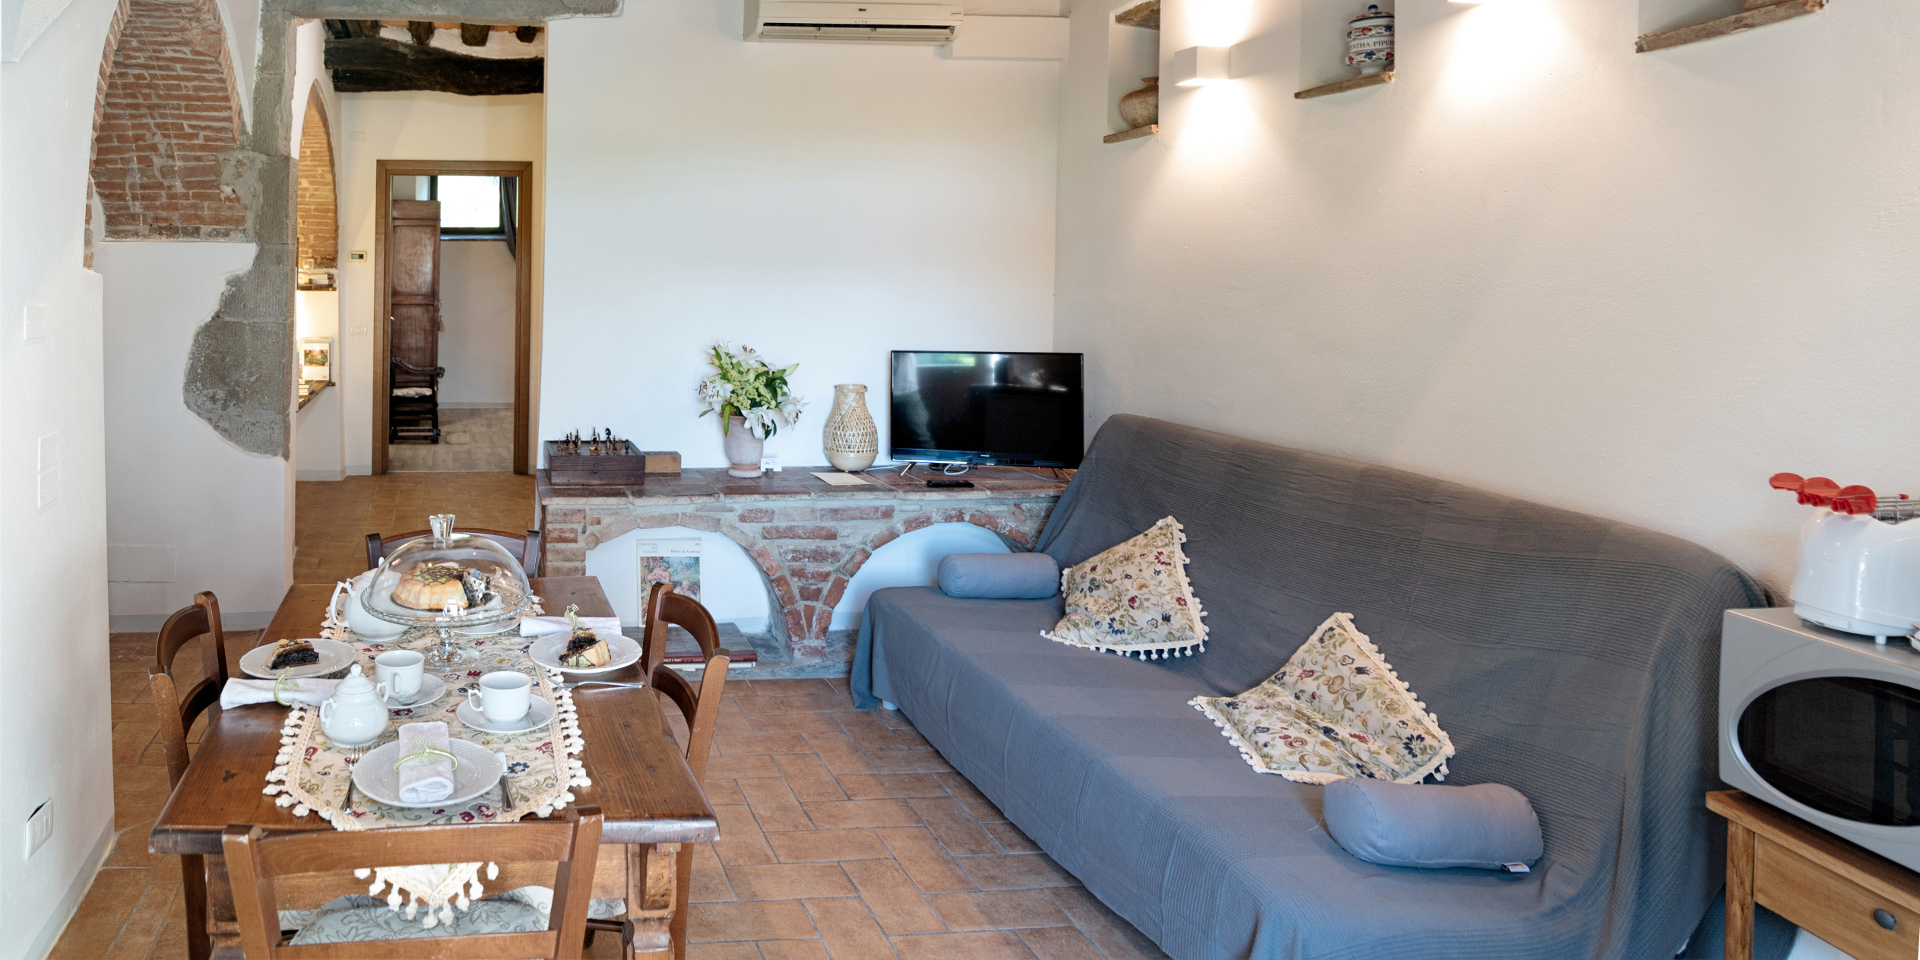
(353, 610)
(357, 711)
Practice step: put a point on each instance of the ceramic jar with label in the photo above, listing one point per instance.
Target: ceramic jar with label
(1370, 41)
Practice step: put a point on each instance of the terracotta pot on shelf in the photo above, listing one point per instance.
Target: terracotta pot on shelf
(743, 449)
(851, 441)
(1142, 107)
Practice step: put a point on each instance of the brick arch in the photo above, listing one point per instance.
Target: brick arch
(167, 117)
(317, 210)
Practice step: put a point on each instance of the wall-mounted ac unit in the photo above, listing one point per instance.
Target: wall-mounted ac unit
(849, 21)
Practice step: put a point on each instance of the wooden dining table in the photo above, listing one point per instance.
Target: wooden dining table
(649, 798)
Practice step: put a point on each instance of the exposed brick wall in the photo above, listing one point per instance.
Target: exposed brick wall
(808, 553)
(317, 214)
(170, 115)
(114, 26)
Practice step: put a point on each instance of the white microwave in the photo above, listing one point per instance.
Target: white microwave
(1824, 725)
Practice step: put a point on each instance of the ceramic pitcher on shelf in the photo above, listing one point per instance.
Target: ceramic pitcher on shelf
(851, 441)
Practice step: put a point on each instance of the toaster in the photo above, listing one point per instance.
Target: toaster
(1859, 564)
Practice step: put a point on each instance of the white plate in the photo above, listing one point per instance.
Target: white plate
(546, 652)
(334, 655)
(431, 687)
(477, 772)
(539, 714)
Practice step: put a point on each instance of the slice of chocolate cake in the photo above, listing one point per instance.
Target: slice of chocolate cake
(583, 648)
(293, 653)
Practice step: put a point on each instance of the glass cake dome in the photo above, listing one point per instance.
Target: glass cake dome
(460, 583)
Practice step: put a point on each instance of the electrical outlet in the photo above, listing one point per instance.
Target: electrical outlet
(770, 463)
(39, 827)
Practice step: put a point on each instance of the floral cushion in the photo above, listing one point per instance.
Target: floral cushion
(1336, 710)
(357, 922)
(1134, 599)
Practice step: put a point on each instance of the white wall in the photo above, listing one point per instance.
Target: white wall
(414, 126)
(476, 306)
(822, 203)
(53, 557)
(1537, 262)
(319, 452)
(735, 591)
(187, 510)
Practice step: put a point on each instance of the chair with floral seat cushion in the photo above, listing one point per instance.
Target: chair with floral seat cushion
(494, 928)
(178, 709)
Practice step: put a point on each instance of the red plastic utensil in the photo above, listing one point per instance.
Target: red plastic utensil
(1786, 481)
(1856, 500)
(1818, 491)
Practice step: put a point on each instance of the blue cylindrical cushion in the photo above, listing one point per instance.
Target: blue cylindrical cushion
(999, 576)
(1433, 826)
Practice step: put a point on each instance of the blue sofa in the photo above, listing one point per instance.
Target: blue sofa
(1571, 657)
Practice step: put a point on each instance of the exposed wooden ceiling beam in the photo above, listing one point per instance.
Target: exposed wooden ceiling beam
(474, 34)
(369, 64)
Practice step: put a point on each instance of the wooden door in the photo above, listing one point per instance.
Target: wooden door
(413, 273)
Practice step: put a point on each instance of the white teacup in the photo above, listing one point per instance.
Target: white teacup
(401, 671)
(505, 695)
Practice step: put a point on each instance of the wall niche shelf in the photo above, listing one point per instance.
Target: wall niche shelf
(1342, 86)
(1134, 134)
(1758, 13)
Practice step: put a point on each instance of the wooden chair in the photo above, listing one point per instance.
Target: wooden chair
(413, 411)
(177, 711)
(255, 861)
(524, 549)
(700, 707)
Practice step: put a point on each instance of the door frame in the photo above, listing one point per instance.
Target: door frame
(522, 170)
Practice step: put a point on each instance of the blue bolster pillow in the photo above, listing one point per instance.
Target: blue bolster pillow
(1487, 826)
(999, 576)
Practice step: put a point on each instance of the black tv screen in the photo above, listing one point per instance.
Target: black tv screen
(1020, 409)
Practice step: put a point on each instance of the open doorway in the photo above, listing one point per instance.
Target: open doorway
(452, 333)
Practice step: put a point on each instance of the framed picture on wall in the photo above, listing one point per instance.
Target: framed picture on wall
(316, 359)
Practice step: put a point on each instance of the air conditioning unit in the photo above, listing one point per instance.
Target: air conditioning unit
(852, 22)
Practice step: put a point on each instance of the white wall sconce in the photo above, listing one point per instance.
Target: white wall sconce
(1196, 66)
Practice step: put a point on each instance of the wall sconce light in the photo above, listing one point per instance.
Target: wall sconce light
(1196, 66)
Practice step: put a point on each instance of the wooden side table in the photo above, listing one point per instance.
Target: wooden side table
(1848, 896)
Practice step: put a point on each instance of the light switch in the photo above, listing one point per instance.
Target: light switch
(358, 329)
(49, 486)
(39, 827)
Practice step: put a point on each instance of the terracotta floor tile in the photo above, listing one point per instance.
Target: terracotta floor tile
(1060, 943)
(143, 926)
(1010, 838)
(752, 704)
(130, 850)
(791, 688)
(793, 723)
(740, 838)
(817, 846)
(721, 792)
(740, 768)
(957, 830)
(896, 904)
(130, 741)
(908, 761)
(924, 859)
(836, 814)
(716, 951)
(140, 785)
(897, 785)
(789, 881)
(849, 930)
(750, 744)
(748, 920)
(102, 914)
(808, 777)
(129, 815)
(1113, 934)
(868, 732)
(172, 942)
(794, 950)
(709, 881)
(998, 910)
(998, 945)
(841, 755)
(911, 739)
(816, 703)
(773, 804)
(969, 796)
(1014, 871)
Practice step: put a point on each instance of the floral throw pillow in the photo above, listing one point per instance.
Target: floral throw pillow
(1134, 599)
(1336, 710)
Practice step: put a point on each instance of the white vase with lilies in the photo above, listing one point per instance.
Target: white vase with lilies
(753, 400)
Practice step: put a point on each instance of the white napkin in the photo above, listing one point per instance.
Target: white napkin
(602, 627)
(238, 692)
(422, 781)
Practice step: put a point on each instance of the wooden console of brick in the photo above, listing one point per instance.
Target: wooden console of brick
(807, 536)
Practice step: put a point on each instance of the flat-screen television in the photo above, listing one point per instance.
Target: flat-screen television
(1016, 409)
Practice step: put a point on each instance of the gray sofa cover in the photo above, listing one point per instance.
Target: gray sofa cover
(1570, 657)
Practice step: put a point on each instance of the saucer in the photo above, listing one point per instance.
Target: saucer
(539, 713)
(477, 772)
(431, 687)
